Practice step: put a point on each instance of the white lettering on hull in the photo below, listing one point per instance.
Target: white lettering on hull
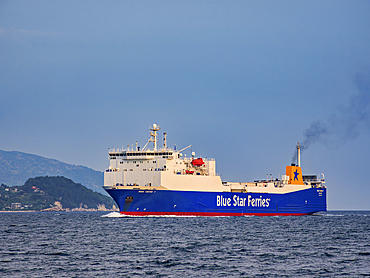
(237, 201)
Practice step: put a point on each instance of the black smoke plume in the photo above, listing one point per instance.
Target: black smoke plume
(347, 123)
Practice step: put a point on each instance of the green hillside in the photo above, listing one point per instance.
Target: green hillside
(17, 167)
(42, 192)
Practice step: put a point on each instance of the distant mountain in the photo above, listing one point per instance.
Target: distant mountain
(52, 194)
(17, 167)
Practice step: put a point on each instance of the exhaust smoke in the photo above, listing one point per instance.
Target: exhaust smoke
(346, 124)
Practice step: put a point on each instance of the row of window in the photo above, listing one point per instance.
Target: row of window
(121, 162)
(141, 154)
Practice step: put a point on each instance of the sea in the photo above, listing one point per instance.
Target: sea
(102, 244)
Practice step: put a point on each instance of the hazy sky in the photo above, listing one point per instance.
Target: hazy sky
(242, 81)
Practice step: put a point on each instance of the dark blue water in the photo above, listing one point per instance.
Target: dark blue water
(86, 244)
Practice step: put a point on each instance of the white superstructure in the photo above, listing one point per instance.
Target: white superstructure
(163, 167)
(167, 169)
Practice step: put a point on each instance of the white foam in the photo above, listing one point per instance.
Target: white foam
(116, 214)
(112, 214)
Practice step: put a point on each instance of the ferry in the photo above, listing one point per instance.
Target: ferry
(163, 181)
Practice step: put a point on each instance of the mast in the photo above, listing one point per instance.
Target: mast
(154, 128)
(165, 141)
(298, 155)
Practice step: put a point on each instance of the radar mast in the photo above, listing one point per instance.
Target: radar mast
(154, 128)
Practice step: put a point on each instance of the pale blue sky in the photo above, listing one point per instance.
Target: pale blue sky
(239, 80)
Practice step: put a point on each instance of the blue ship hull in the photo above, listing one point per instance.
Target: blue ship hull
(199, 203)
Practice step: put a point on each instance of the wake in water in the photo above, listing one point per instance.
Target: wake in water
(330, 215)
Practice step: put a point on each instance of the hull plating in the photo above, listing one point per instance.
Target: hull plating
(197, 203)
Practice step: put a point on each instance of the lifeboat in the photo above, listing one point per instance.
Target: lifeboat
(197, 162)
